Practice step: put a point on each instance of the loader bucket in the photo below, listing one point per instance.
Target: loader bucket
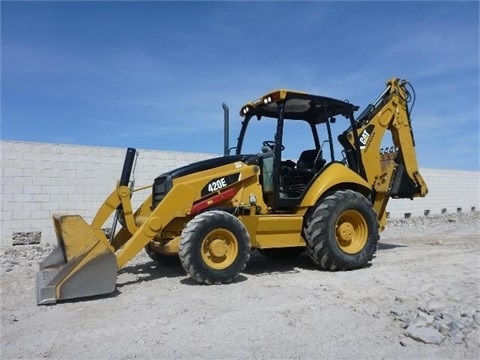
(83, 264)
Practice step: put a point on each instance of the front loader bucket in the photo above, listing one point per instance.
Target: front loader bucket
(83, 264)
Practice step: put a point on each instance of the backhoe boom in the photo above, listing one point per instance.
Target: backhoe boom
(392, 172)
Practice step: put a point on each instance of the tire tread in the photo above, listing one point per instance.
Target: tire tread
(323, 249)
(190, 240)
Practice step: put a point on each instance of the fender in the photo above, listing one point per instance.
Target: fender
(328, 179)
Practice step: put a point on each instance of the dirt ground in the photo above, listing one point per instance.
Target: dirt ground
(420, 299)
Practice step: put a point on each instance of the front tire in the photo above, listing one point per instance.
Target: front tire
(342, 232)
(214, 247)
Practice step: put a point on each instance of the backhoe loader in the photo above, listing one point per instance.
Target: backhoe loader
(330, 201)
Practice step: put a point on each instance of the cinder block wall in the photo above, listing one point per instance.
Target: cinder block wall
(449, 191)
(39, 179)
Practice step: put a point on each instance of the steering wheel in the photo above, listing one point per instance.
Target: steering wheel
(271, 144)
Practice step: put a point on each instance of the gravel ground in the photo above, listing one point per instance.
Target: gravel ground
(419, 299)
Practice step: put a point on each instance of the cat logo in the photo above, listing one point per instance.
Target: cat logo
(365, 136)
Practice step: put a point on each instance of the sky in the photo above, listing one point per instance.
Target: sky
(154, 75)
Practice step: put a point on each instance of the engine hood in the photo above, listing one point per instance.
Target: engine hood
(205, 165)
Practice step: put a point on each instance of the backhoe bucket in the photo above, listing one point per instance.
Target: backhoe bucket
(83, 264)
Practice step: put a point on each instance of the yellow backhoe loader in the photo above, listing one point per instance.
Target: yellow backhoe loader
(330, 201)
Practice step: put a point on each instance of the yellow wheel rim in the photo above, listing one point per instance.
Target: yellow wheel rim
(351, 232)
(219, 249)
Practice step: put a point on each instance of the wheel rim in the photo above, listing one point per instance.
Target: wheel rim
(219, 249)
(351, 232)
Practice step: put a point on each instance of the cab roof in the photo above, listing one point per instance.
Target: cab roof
(298, 106)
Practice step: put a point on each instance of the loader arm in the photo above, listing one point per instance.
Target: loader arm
(392, 172)
(85, 262)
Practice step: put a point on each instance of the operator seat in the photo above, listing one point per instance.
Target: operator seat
(308, 164)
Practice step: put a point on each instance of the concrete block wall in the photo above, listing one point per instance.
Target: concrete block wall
(39, 179)
(449, 191)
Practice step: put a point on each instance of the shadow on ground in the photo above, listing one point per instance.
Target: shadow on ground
(383, 246)
(258, 265)
(149, 271)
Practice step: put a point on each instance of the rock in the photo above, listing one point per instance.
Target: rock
(445, 316)
(426, 335)
(443, 328)
(417, 322)
(426, 316)
(26, 238)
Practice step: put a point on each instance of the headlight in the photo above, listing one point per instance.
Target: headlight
(161, 187)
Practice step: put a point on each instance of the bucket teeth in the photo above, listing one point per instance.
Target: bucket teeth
(45, 291)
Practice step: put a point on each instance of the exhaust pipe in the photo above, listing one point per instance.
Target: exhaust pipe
(226, 130)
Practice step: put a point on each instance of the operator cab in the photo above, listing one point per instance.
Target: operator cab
(301, 146)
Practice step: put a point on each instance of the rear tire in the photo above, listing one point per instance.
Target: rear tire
(214, 247)
(342, 232)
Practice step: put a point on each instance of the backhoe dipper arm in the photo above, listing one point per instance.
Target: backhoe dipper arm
(392, 173)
